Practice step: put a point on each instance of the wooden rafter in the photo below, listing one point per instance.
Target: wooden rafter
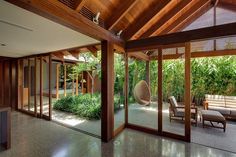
(191, 18)
(143, 19)
(58, 12)
(182, 37)
(119, 13)
(93, 50)
(227, 5)
(139, 55)
(59, 55)
(79, 4)
(165, 18)
(199, 7)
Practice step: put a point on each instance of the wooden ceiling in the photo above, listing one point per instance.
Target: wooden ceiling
(145, 18)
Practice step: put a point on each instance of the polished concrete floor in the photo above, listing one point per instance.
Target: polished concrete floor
(32, 137)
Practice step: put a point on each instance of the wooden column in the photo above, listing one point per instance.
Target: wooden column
(73, 86)
(41, 87)
(126, 87)
(82, 83)
(29, 81)
(187, 93)
(77, 85)
(107, 91)
(64, 79)
(148, 73)
(160, 59)
(35, 86)
(57, 81)
(50, 86)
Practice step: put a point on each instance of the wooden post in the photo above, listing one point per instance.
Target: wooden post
(126, 88)
(107, 91)
(57, 81)
(50, 86)
(77, 85)
(187, 96)
(73, 86)
(35, 86)
(41, 87)
(160, 59)
(82, 83)
(29, 81)
(148, 73)
(64, 79)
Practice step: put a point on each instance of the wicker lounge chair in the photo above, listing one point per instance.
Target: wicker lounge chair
(177, 111)
(142, 93)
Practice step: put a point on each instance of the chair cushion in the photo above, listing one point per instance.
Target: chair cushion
(173, 101)
(180, 112)
(222, 110)
(212, 116)
(215, 100)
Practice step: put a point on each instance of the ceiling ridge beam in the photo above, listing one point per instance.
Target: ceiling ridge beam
(143, 19)
(200, 5)
(119, 13)
(165, 18)
(182, 37)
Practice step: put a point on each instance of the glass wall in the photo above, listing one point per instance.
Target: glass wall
(119, 90)
(142, 104)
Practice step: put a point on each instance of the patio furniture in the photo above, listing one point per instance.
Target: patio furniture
(142, 93)
(213, 116)
(226, 105)
(177, 111)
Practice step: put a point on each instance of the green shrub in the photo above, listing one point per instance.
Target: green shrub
(85, 106)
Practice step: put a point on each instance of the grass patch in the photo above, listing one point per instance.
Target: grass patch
(84, 105)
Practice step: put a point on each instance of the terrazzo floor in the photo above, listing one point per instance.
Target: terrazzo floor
(33, 137)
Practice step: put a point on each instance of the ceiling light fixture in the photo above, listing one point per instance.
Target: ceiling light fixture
(119, 33)
(96, 18)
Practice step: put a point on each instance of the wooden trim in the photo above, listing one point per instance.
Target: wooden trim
(187, 93)
(77, 85)
(147, 70)
(35, 86)
(50, 86)
(57, 80)
(41, 87)
(118, 130)
(29, 81)
(107, 91)
(58, 12)
(159, 85)
(79, 5)
(126, 88)
(139, 55)
(64, 79)
(142, 128)
(181, 37)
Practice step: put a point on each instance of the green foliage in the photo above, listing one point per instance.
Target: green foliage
(84, 106)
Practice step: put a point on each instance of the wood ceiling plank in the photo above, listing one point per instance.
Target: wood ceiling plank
(143, 19)
(182, 25)
(119, 13)
(165, 18)
(199, 6)
(182, 37)
(58, 12)
(79, 4)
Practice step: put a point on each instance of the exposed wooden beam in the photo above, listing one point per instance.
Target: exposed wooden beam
(181, 37)
(79, 4)
(216, 53)
(143, 19)
(182, 25)
(120, 12)
(199, 6)
(165, 18)
(59, 55)
(58, 12)
(139, 55)
(93, 50)
(226, 5)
